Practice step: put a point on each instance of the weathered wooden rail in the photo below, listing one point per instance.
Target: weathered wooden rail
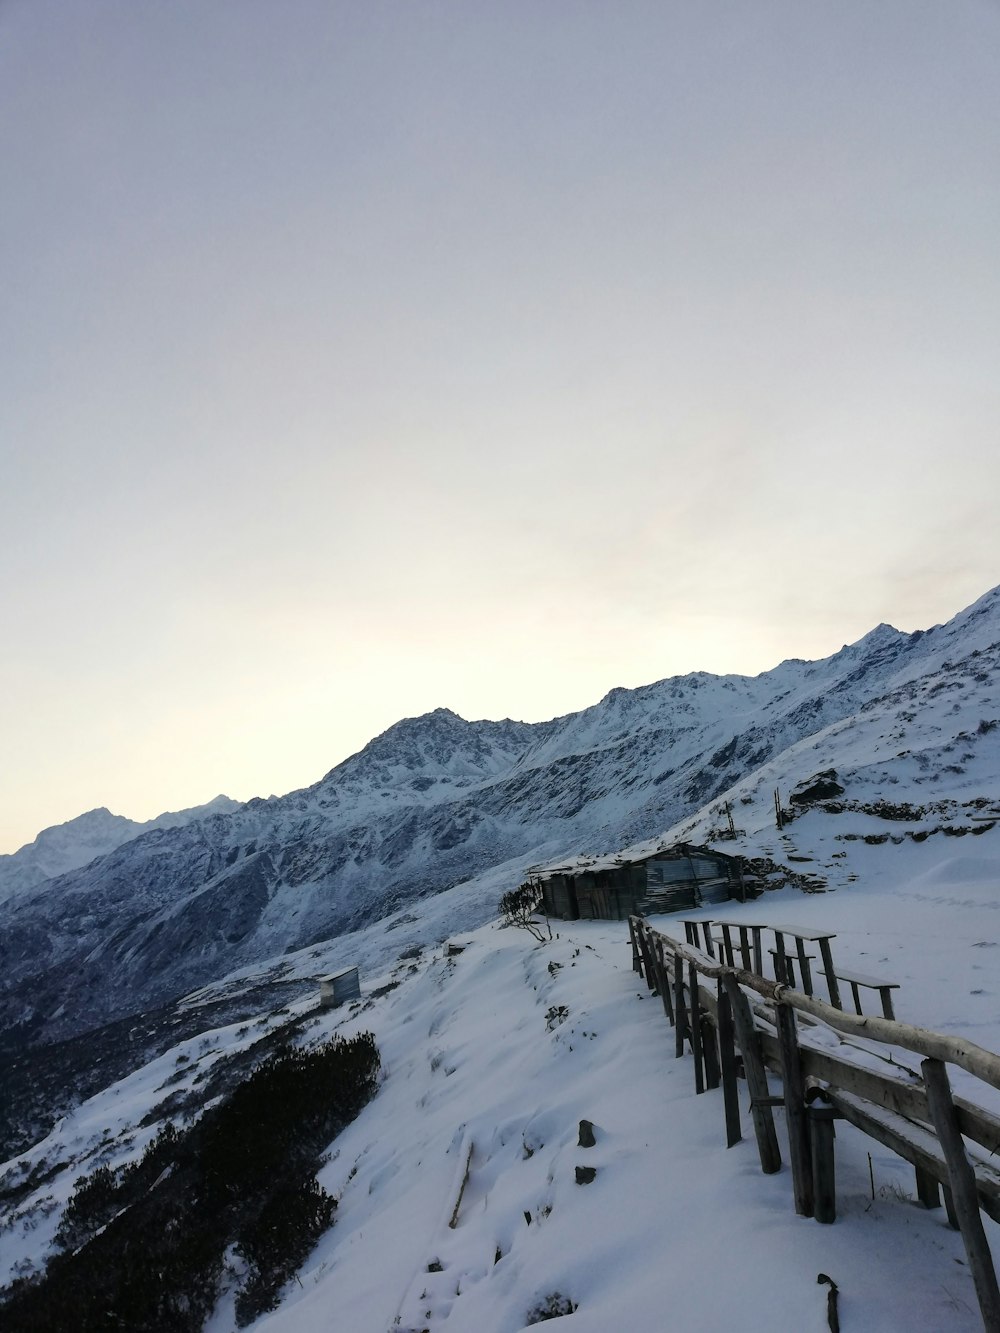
(949, 1140)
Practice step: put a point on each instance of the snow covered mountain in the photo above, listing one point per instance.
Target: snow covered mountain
(436, 800)
(459, 1204)
(79, 841)
(494, 1044)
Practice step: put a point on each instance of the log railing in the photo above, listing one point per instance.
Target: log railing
(949, 1140)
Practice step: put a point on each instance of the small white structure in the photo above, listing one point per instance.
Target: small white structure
(338, 987)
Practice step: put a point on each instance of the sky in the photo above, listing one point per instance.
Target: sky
(361, 359)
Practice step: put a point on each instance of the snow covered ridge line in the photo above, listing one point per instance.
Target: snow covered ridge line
(819, 1087)
(65, 847)
(437, 803)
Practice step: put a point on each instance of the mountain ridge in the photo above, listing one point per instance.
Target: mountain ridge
(69, 846)
(436, 800)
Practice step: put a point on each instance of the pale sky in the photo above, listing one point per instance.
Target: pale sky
(360, 359)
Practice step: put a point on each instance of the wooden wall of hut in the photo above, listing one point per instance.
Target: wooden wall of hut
(680, 878)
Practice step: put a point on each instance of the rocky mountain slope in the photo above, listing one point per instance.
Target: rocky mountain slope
(79, 841)
(436, 800)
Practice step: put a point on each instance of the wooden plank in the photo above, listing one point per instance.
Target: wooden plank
(781, 973)
(823, 1167)
(695, 1020)
(785, 963)
(962, 1180)
(884, 988)
(831, 976)
(928, 1190)
(753, 1066)
(646, 948)
(863, 979)
(804, 972)
(727, 1057)
(636, 966)
(799, 1152)
(744, 927)
(709, 1051)
(709, 1004)
(915, 1144)
(956, 1050)
(680, 1013)
(706, 930)
(802, 932)
(727, 945)
(664, 980)
(894, 1089)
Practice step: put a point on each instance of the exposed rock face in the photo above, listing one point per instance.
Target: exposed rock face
(821, 787)
(436, 800)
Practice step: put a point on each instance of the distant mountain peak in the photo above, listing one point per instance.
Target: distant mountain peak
(61, 848)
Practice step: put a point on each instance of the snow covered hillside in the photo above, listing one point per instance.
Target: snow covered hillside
(436, 801)
(494, 1048)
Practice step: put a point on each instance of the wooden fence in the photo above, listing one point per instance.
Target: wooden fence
(948, 1140)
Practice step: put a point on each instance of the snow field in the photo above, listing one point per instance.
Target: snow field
(675, 1231)
(508, 1044)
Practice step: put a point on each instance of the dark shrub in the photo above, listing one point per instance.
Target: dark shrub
(145, 1244)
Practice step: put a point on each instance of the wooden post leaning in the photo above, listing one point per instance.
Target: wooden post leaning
(636, 965)
(680, 1013)
(831, 980)
(753, 1065)
(709, 1051)
(662, 980)
(727, 1059)
(799, 1151)
(694, 1012)
(964, 1195)
(821, 1120)
(804, 971)
(647, 961)
(927, 1189)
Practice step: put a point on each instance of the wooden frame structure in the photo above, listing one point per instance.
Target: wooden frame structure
(949, 1141)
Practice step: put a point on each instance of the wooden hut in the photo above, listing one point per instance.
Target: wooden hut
(339, 987)
(673, 879)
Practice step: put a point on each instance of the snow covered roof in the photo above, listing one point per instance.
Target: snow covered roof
(634, 855)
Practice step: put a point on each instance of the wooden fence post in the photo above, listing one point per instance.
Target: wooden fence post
(753, 1065)
(662, 980)
(647, 960)
(680, 1013)
(831, 979)
(823, 1168)
(799, 1153)
(695, 1020)
(727, 1056)
(710, 1052)
(636, 965)
(963, 1189)
(927, 1189)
